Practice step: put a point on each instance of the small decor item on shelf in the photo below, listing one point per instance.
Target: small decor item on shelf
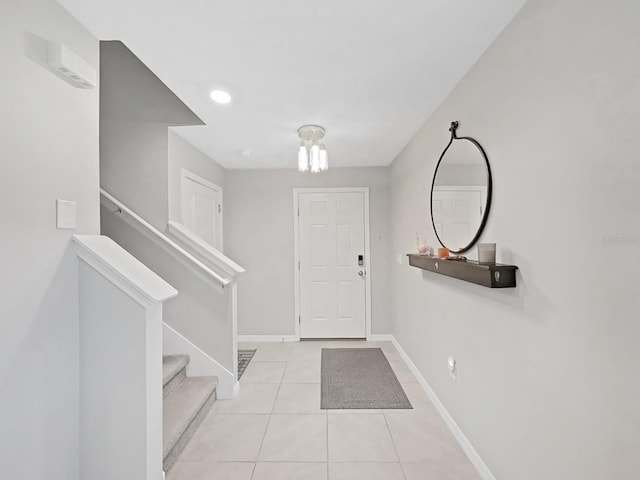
(422, 247)
(443, 252)
(457, 258)
(487, 253)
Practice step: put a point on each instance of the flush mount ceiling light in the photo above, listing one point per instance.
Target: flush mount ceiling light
(220, 96)
(312, 155)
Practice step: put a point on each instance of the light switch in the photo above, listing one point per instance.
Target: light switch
(452, 366)
(65, 214)
(399, 258)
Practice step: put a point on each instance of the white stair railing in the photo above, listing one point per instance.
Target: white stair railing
(203, 250)
(145, 227)
(201, 325)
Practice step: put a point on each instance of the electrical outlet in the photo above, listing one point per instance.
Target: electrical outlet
(452, 366)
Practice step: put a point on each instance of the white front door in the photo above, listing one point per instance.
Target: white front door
(201, 208)
(331, 243)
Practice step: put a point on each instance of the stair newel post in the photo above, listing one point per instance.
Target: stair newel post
(120, 306)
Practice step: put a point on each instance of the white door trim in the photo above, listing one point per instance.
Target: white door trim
(367, 250)
(188, 174)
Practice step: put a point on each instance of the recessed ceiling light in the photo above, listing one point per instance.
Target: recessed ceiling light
(220, 96)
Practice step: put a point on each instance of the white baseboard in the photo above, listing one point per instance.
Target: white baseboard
(267, 338)
(381, 338)
(464, 442)
(173, 343)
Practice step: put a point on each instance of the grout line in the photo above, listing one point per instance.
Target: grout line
(253, 470)
(394, 444)
(386, 421)
(269, 421)
(327, 424)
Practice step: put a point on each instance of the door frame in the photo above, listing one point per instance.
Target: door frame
(367, 250)
(189, 175)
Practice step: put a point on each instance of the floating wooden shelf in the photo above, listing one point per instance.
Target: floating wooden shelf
(492, 276)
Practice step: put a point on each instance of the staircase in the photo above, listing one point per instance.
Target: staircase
(186, 402)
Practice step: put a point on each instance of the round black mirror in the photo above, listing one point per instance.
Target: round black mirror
(460, 193)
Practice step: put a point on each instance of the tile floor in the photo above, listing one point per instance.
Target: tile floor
(275, 429)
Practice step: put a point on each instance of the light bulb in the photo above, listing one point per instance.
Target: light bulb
(314, 155)
(220, 96)
(303, 158)
(323, 158)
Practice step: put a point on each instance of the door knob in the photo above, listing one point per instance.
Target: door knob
(361, 273)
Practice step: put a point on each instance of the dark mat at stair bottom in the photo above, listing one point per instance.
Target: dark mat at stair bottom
(244, 357)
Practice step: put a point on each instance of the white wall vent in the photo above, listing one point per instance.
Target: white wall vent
(79, 72)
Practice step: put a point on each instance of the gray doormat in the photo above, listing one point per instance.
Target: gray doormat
(244, 357)
(359, 378)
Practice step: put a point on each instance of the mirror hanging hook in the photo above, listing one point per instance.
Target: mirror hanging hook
(453, 128)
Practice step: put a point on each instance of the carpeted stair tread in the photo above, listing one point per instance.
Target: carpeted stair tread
(182, 406)
(171, 366)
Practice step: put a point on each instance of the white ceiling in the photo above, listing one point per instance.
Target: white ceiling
(370, 71)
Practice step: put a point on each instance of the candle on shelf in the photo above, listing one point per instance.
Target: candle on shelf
(443, 252)
(487, 253)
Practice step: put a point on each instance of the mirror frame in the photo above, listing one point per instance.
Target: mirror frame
(483, 221)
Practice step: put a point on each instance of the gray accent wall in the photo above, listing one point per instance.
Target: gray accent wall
(259, 235)
(49, 139)
(136, 111)
(548, 372)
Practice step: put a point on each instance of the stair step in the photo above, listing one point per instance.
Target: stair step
(171, 366)
(184, 410)
(173, 372)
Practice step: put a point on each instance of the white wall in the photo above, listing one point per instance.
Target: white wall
(49, 138)
(258, 234)
(547, 384)
(184, 155)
